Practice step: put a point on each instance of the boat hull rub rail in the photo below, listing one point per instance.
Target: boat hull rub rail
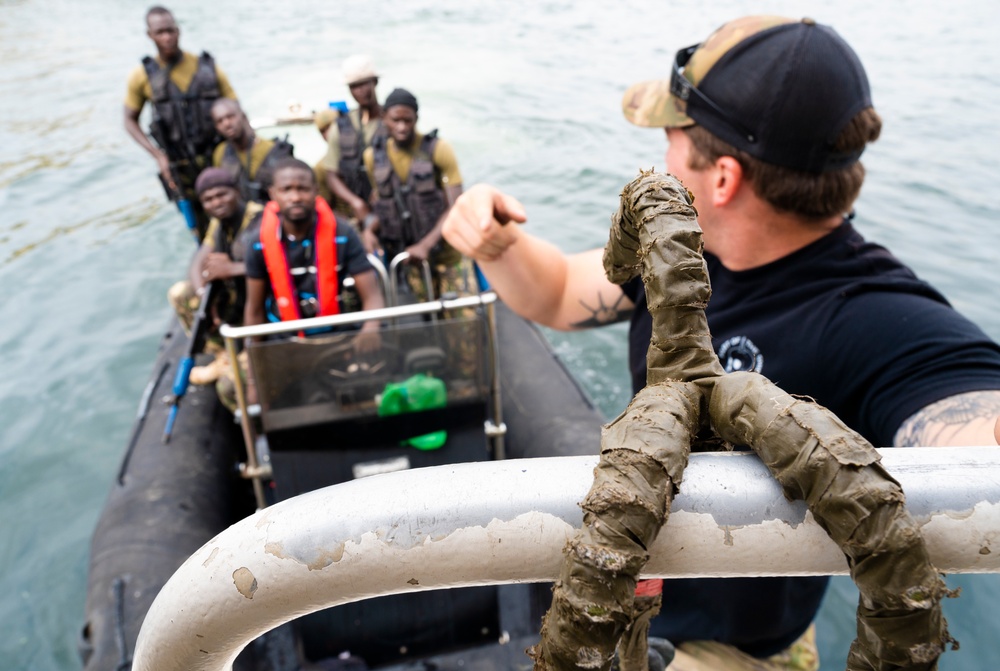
(501, 522)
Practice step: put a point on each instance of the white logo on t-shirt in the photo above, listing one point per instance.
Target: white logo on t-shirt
(740, 354)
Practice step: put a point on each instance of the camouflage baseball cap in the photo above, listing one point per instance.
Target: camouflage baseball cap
(777, 88)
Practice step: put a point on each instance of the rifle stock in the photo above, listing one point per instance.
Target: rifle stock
(178, 197)
(196, 343)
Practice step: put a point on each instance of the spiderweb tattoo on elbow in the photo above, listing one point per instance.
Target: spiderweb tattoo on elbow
(604, 314)
(935, 424)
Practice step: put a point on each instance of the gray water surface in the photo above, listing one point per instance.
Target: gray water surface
(529, 95)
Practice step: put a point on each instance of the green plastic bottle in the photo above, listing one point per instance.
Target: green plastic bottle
(420, 392)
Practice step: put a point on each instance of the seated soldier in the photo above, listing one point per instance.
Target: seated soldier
(415, 180)
(299, 257)
(219, 258)
(242, 153)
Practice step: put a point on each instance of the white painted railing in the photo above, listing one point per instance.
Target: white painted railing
(500, 522)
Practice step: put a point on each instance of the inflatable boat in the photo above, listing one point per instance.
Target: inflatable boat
(328, 415)
(439, 567)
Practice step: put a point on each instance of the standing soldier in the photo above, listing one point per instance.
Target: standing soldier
(181, 88)
(352, 133)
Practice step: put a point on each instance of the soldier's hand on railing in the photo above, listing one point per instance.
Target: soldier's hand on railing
(367, 340)
(419, 252)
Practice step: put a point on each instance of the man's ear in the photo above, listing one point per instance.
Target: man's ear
(727, 178)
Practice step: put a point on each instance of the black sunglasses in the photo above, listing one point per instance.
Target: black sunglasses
(681, 87)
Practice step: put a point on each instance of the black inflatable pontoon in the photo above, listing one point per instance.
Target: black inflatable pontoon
(168, 500)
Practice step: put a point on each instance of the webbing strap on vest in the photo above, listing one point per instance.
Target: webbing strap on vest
(326, 262)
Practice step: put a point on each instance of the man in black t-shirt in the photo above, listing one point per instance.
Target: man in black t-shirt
(766, 121)
(299, 250)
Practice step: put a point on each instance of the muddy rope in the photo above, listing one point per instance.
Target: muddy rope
(690, 399)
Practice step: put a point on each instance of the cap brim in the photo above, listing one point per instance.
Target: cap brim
(359, 77)
(651, 104)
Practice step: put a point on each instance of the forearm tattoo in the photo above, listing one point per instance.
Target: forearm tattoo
(603, 315)
(938, 422)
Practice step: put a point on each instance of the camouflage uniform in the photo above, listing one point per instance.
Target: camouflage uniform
(455, 276)
(225, 386)
(652, 104)
(185, 302)
(704, 655)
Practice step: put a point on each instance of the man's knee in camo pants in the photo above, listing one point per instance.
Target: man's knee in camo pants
(185, 303)
(457, 279)
(225, 386)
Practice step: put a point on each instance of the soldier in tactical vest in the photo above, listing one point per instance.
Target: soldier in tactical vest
(181, 88)
(247, 157)
(349, 136)
(416, 180)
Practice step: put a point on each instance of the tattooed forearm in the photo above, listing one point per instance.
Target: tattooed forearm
(965, 419)
(603, 314)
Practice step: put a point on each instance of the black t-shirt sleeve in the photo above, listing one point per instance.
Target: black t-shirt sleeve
(255, 253)
(354, 260)
(640, 332)
(632, 288)
(897, 353)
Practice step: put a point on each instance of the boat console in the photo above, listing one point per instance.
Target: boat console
(428, 396)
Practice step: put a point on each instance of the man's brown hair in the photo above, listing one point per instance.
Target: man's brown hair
(809, 195)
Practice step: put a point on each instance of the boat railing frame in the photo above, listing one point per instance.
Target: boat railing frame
(494, 427)
(489, 523)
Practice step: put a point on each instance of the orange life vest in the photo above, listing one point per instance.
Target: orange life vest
(327, 286)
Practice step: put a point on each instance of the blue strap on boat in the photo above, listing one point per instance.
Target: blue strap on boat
(199, 331)
(187, 210)
(181, 381)
(484, 284)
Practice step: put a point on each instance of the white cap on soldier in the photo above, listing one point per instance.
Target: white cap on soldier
(358, 68)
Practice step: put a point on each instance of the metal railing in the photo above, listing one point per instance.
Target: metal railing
(494, 428)
(507, 521)
(428, 308)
